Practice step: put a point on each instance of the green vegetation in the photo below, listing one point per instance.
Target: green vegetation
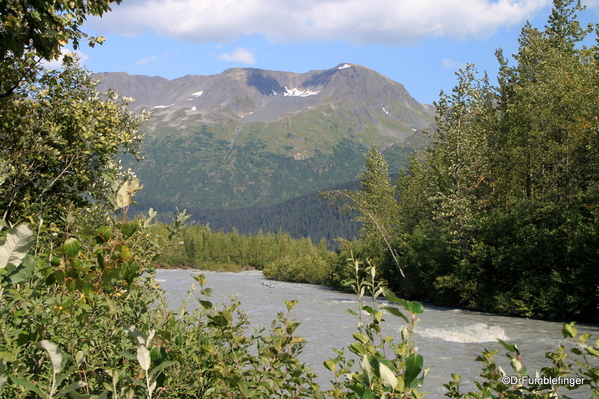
(60, 136)
(207, 250)
(200, 167)
(500, 213)
(305, 216)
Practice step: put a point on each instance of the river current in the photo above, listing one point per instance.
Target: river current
(448, 339)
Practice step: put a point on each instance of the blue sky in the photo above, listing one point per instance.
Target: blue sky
(419, 43)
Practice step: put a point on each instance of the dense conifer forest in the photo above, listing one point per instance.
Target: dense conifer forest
(307, 216)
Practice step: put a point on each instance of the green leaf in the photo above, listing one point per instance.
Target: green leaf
(415, 307)
(389, 379)
(71, 388)
(55, 355)
(290, 305)
(206, 304)
(161, 367)
(367, 370)
(127, 229)
(3, 380)
(411, 306)
(88, 231)
(584, 337)
(576, 351)
(79, 358)
(396, 312)
(368, 309)
(124, 253)
(363, 338)
(104, 234)
(157, 354)
(71, 247)
(18, 242)
(128, 355)
(143, 357)
(367, 394)
(414, 364)
(509, 347)
(352, 312)
(27, 385)
(569, 331)
(390, 296)
(592, 351)
(330, 365)
(24, 271)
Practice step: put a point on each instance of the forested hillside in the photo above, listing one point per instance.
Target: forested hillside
(309, 215)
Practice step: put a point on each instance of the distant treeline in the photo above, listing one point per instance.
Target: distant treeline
(203, 248)
(306, 216)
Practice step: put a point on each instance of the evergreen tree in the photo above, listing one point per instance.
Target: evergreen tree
(377, 208)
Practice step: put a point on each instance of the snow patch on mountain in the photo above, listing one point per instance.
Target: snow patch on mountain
(197, 93)
(299, 93)
(344, 66)
(163, 106)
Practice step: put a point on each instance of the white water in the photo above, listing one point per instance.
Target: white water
(449, 339)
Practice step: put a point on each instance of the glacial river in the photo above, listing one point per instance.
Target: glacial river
(449, 339)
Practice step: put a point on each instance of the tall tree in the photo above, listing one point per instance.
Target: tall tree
(459, 160)
(59, 136)
(376, 206)
(511, 183)
(549, 119)
(60, 139)
(31, 31)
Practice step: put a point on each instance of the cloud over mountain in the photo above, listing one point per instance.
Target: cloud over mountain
(399, 22)
(240, 55)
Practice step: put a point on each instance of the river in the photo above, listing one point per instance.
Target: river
(448, 339)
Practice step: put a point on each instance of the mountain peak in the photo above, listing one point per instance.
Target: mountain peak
(251, 95)
(257, 136)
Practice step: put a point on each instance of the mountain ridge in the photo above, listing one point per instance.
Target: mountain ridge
(251, 136)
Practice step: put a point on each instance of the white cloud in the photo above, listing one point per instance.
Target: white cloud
(353, 21)
(240, 56)
(145, 61)
(591, 4)
(446, 63)
(57, 64)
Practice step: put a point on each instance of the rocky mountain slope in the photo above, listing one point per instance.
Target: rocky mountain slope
(251, 137)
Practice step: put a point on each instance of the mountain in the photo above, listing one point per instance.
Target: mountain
(252, 137)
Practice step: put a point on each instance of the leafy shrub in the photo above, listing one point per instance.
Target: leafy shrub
(305, 269)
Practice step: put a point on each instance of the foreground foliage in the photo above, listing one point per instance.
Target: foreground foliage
(88, 321)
